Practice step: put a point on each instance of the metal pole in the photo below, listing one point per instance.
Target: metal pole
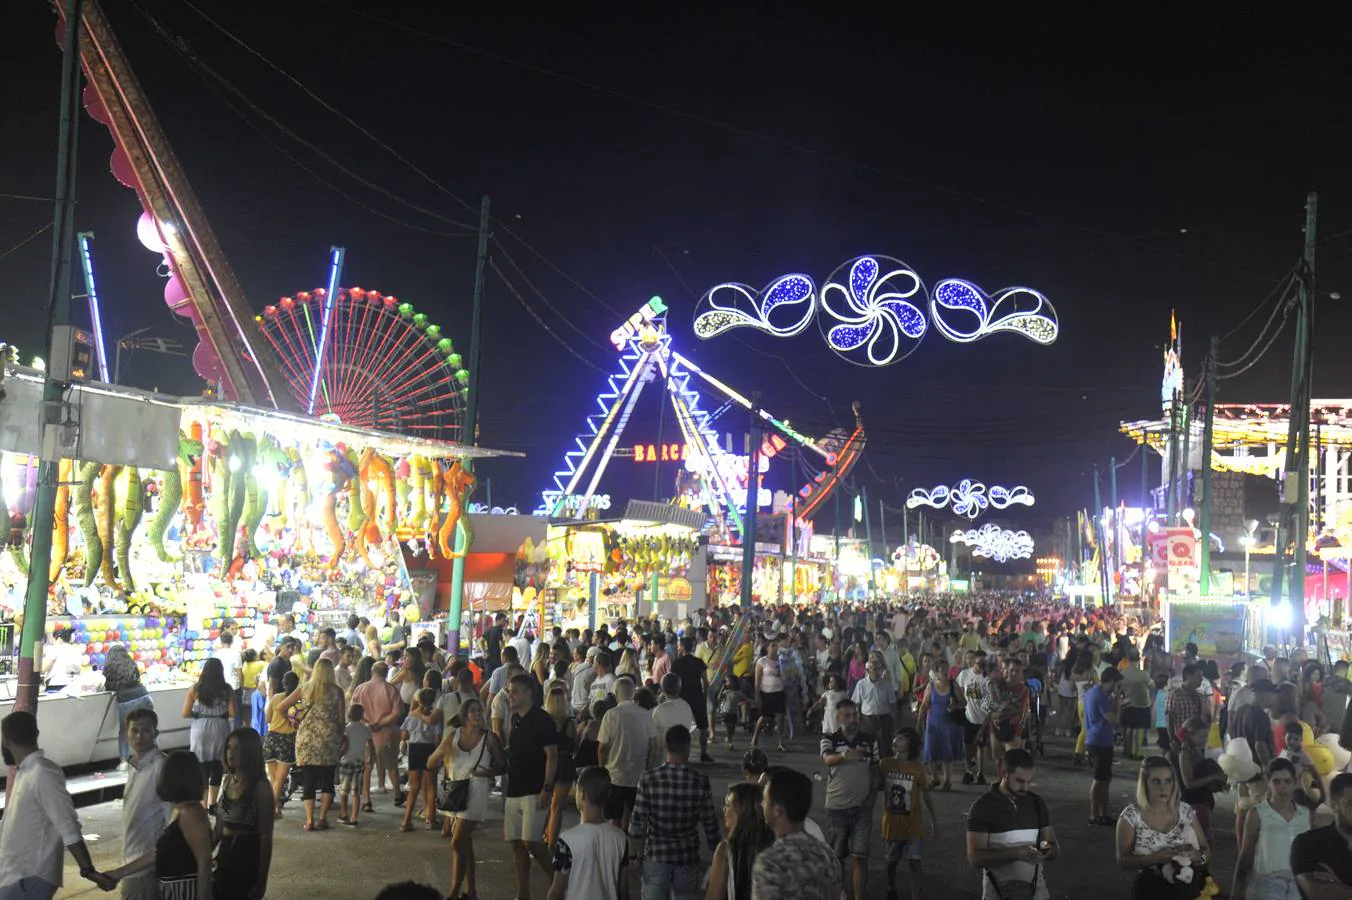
(1096, 523)
(58, 313)
(471, 434)
(1307, 382)
(1171, 505)
(752, 502)
(1117, 533)
(868, 532)
(793, 549)
(1208, 426)
(1185, 468)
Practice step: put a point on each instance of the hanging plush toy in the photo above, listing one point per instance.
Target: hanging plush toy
(403, 491)
(105, 503)
(61, 519)
(130, 503)
(191, 474)
(84, 516)
(171, 493)
(456, 482)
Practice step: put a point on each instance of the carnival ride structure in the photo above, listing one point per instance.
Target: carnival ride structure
(380, 363)
(721, 482)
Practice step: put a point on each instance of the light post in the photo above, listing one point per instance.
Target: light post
(1246, 540)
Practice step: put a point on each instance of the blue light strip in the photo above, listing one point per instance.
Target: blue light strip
(336, 255)
(87, 263)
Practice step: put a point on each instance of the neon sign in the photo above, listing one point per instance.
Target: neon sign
(637, 323)
(970, 498)
(651, 453)
(875, 310)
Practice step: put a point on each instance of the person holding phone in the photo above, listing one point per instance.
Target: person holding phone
(1010, 836)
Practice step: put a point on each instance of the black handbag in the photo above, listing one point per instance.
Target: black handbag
(453, 795)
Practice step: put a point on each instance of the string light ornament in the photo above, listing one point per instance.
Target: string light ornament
(725, 302)
(993, 542)
(871, 301)
(875, 310)
(970, 498)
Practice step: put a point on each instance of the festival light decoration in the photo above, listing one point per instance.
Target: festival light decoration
(877, 313)
(993, 542)
(970, 498)
(872, 310)
(1004, 312)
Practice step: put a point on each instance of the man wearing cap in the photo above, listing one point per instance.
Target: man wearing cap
(1252, 722)
(583, 674)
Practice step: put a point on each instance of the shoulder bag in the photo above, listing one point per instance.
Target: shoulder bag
(453, 796)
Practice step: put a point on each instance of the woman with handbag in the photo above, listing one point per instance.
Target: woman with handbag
(471, 756)
(943, 710)
(1158, 836)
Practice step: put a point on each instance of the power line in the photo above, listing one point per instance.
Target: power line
(502, 226)
(567, 321)
(789, 144)
(205, 71)
(7, 196)
(34, 236)
(330, 107)
(541, 322)
(1283, 281)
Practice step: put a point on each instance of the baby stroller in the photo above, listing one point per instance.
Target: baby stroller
(1032, 728)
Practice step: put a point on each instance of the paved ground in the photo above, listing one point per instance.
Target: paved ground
(353, 865)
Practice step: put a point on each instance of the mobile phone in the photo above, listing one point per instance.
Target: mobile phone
(1044, 846)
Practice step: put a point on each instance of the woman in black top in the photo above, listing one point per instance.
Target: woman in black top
(182, 856)
(243, 836)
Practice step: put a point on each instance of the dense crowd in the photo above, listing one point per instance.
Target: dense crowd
(899, 698)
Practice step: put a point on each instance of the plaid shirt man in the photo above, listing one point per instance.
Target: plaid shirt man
(672, 800)
(1182, 704)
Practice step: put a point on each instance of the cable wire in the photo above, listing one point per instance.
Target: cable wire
(329, 107)
(1282, 306)
(541, 322)
(205, 71)
(567, 321)
(1284, 280)
(32, 237)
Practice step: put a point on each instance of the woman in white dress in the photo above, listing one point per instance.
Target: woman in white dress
(470, 751)
(1157, 831)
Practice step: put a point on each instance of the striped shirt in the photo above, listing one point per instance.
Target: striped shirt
(1009, 820)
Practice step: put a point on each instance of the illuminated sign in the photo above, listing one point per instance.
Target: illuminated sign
(970, 498)
(999, 544)
(636, 323)
(647, 453)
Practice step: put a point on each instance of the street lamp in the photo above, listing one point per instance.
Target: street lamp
(1246, 540)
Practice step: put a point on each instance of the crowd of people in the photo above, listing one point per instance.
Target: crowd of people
(900, 700)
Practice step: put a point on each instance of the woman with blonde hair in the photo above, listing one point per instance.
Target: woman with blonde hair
(373, 642)
(629, 666)
(539, 666)
(1156, 831)
(561, 711)
(319, 739)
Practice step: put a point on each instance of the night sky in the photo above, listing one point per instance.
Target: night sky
(1123, 168)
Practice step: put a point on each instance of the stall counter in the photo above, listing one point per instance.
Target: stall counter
(82, 730)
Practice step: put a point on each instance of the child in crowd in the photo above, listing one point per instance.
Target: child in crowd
(422, 735)
(732, 703)
(834, 693)
(590, 857)
(1159, 696)
(904, 787)
(1309, 789)
(1200, 777)
(258, 703)
(352, 764)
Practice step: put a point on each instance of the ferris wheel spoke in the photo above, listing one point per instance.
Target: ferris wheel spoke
(356, 337)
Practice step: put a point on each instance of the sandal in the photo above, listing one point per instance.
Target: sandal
(367, 807)
(322, 825)
(406, 827)
(309, 826)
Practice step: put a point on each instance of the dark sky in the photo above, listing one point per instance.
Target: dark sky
(1122, 168)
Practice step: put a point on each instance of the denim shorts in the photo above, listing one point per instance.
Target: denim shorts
(912, 848)
(849, 831)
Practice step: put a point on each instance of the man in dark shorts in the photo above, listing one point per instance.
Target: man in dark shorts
(694, 690)
(1102, 708)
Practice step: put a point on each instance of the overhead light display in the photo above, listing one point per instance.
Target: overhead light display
(970, 498)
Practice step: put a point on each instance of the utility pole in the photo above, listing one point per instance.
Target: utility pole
(471, 435)
(752, 502)
(1293, 525)
(1208, 426)
(1096, 523)
(1112, 506)
(58, 313)
(868, 533)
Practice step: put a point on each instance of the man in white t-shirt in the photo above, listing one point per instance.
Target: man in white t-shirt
(672, 711)
(590, 857)
(972, 681)
(583, 674)
(233, 663)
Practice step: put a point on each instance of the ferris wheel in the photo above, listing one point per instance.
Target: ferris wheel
(381, 363)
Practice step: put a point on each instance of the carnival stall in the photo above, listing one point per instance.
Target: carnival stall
(247, 514)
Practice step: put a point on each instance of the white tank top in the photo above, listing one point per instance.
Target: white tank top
(770, 680)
